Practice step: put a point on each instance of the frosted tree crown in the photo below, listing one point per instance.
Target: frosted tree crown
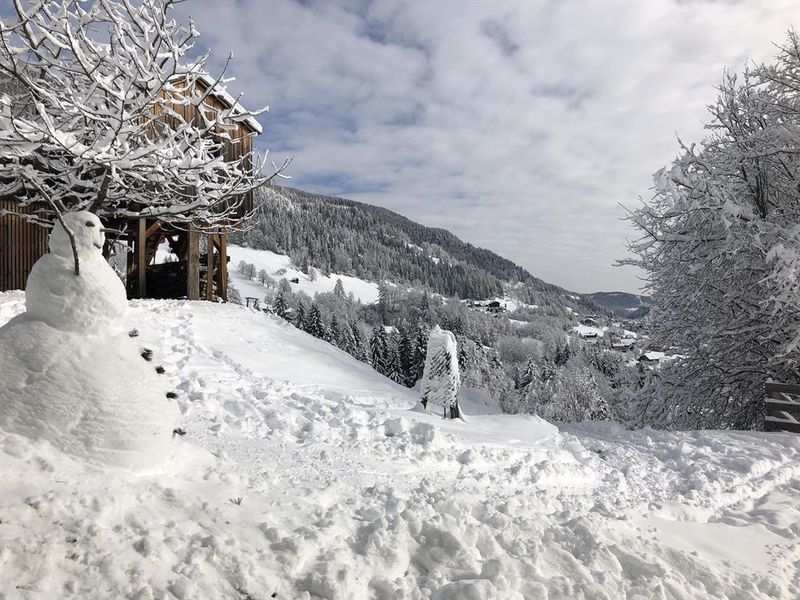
(88, 232)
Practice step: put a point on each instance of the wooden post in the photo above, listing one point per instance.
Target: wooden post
(223, 266)
(193, 265)
(210, 268)
(141, 257)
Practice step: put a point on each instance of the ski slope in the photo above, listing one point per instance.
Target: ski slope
(306, 475)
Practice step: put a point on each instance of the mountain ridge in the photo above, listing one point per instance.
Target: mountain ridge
(377, 243)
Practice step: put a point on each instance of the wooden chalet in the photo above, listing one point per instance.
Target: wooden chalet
(199, 260)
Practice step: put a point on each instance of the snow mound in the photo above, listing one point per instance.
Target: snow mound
(71, 376)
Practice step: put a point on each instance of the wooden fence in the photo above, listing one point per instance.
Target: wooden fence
(782, 406)
(21, 245)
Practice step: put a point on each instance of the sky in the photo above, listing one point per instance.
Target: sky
(523, 127)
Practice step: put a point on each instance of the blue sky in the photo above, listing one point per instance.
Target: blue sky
(520, 126)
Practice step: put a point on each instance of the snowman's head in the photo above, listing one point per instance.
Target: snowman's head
(88, 231)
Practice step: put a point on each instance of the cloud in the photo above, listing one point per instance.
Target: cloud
(519, 126)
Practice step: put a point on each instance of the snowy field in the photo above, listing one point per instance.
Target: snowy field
(278, 267)
(305, 475)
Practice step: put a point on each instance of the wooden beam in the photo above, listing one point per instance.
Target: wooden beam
(210, 268)
(193, 265)
(775, 424)
(153, 228)
(141, 257)
(223, 266)
(785, 388)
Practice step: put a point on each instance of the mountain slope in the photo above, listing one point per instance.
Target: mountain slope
(303, 474)
(622, 303)
(374, 243)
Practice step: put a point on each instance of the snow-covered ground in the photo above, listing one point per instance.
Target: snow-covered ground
(305, 474)
(278, 267)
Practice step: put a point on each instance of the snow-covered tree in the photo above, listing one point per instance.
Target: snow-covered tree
(300, 320)
(94, 121)
(720, 245)
(379, 350)
(405, 356)
(334, 333)
(279, 305)
(265, 279)
(338, 289)
(441, 379)
(394, 369)
(314, 324)
(419, 353)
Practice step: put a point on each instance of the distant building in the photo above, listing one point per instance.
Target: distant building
(652, 357)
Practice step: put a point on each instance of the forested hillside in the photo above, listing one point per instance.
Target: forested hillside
(373, 243)
(622, 304)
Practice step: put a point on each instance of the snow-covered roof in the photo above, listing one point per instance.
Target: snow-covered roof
(219, 91)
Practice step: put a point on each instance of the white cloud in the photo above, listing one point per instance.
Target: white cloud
(520, 126)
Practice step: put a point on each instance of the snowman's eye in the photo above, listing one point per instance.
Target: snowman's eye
(89, 224)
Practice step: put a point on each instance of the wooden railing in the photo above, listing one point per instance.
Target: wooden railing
(782, 407)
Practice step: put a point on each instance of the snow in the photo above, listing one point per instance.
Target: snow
(441, 377)
(272, 263)
(348, 493)
(95, 301)
(587, 330)
(72, 377)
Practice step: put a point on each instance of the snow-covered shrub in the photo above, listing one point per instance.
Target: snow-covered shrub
(441, 379)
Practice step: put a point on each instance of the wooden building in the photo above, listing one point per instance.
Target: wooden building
(198, 268)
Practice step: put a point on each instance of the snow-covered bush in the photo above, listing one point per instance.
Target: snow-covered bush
(441, 379)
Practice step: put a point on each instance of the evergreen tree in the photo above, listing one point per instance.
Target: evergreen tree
(279, 306)
(379, 351)
(334, 334)
(314, 324)
(405, 354)
(300, 317)
(528, 374)
(393, 368)
(562, 355)
(346, 340)
(359, 351)
(420, 351)
(338, 289)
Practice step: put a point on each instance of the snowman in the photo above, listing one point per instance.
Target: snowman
(71, 374)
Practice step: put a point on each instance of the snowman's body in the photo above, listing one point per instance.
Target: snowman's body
(70, 373)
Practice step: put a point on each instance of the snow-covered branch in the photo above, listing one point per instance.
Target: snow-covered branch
(103, 106)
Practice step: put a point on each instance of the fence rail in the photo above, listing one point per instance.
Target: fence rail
(782, 407)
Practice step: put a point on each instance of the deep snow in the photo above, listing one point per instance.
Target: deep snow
(347, 493)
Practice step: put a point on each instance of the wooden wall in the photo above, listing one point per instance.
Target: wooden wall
(21, 245)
